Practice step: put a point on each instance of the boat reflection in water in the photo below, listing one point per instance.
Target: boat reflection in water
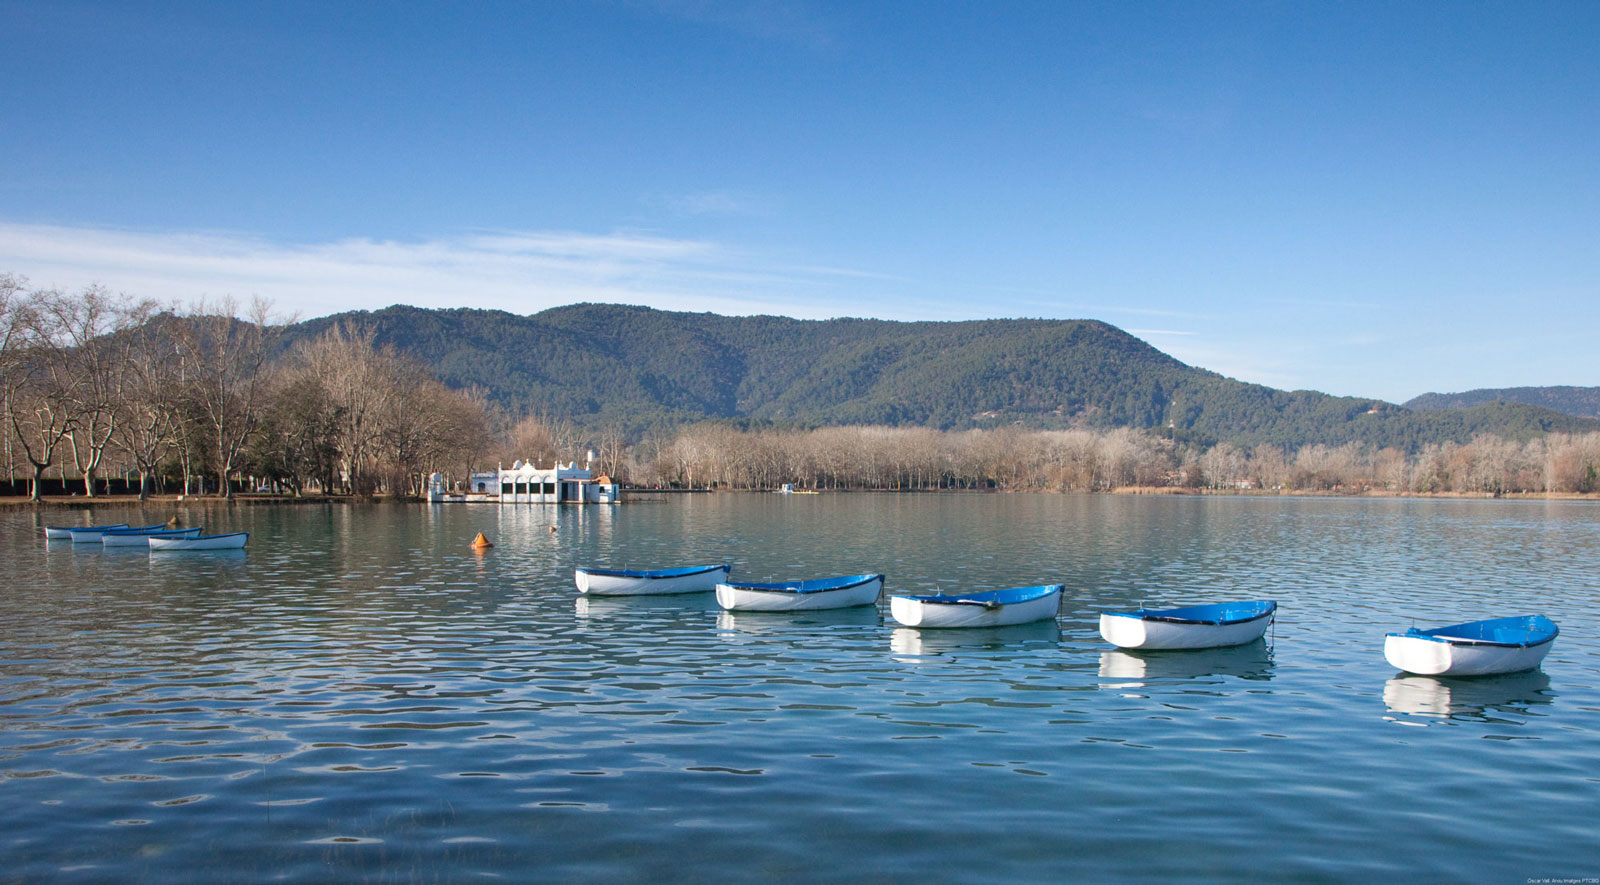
(916, 642)
(731, 624)
(614, 606)
(1130, 669)
(1473, 698)
(214, 562)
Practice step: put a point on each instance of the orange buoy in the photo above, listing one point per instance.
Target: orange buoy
(481, 543)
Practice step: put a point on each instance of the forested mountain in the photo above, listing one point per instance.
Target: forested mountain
(1581, 401)
(641, 369)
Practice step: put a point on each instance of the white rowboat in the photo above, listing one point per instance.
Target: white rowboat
(233, 541)
(1476, 648)
(1196, 626)
(989, 608)
(64, 532)
(93, 535)
(141, 537)
(792, 596)
(655, 582)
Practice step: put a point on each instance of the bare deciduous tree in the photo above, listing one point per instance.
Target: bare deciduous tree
(223, 356)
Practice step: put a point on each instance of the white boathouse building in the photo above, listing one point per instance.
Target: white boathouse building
(525, 483)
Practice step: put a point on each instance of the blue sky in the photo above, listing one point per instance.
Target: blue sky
(1374, 199)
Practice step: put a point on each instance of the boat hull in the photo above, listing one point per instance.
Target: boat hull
(65, 533)
(1426, 656)
(1131, 631)
(95, 534)
(234, 541)
(597, 583)
(925, 613)
(142, 539)
(736, 597)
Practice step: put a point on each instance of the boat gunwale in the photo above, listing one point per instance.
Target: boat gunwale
(798, 588)
(205, 537)
(142, 531)
(1157, 617)
(976, 598)
(1414, 633)
(1437, 634)
(654, 574)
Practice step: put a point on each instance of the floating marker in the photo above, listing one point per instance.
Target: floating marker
(481, 543)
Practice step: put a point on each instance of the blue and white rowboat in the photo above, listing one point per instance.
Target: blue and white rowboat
(792, 596)
(231, 541)
(141, 537)
(655, 582)
(64, 532)
(988, 608)
(1195, 626)
(1476, 648)
(94, 534)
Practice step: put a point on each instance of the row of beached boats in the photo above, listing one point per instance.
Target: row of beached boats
(160, 536)
(1476, 648)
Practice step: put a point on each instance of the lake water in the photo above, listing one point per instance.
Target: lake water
(359, 697)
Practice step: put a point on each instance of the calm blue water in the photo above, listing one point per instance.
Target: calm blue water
(358, 697)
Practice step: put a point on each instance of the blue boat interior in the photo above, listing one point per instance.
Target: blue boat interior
(994, 597)
(815, 585)
(655, 573)
(1518, 632)
(1217, 614)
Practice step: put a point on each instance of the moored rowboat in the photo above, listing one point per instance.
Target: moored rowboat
(1476, 648)
(1195, 626)
(232, 541)
(141, 537)
(64, 532)
(789, 596)
(649, 582)
(988, 608)
(94, 534)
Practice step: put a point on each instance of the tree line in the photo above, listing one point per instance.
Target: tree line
(204, 397)
(94, 383)
(1014, 459)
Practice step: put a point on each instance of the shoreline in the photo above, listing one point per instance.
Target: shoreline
(123, 501)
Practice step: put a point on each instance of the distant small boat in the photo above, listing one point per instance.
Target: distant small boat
(656, 582)
(232, 541)
(1196, 626)
(64, 532)
(141, 537)
(988, 608)
(789, 596)
(1476, 648)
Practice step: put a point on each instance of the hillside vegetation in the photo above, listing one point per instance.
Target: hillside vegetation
(1581, 401)
(642, 370)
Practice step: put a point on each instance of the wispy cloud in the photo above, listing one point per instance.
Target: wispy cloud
(1334, 304)
(517, 271)
(716, 203)
(1236, 359)
(1156, 332)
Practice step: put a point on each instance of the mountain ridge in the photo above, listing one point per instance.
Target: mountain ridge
(645, 370)
(1583, 402)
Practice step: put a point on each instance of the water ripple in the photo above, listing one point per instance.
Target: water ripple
(355, 696)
